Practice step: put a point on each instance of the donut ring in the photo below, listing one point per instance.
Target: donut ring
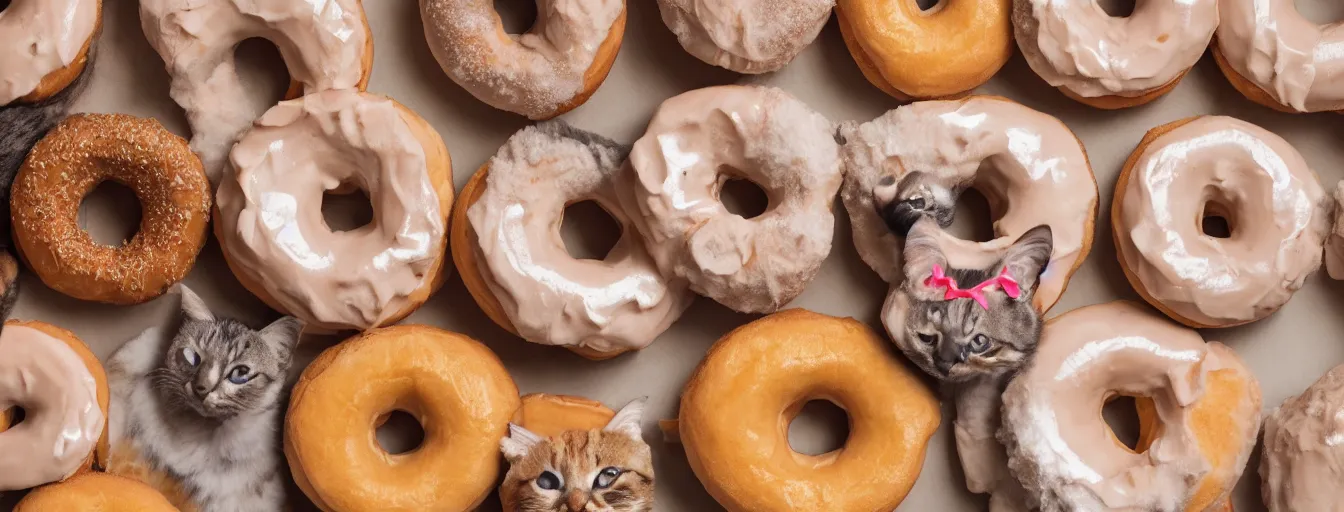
(552, 69)
(752, 36)
(1202, 418)
(920, 55)
(61, 386)
(1218, 166)
(551, 415)
(283, 251)
(453, 385)
(764, 372)
(1277, 58)
(1109, 62)
(1301, 459)
(46, 46)
(507, 246)
(65, 166)
(698, 141)
(96, 491)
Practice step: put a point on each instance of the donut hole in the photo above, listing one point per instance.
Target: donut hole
(4, 4)
(1122, 417)
(110, 214)
(1118, 8)
(17, 414)
(262, 71)
(1215, 222)
(741, 197)
(516, 17)
(589, 231)
(928, 5)
(973, 217)
(399, 432)
(820, 427)
(347, 212)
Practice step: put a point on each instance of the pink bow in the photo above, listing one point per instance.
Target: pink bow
(1004, 282)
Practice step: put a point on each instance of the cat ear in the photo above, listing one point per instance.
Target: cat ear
(283, 334)
(922, 251)
(1028, 256)
(627, 420)
(193, 307)
(518, 443)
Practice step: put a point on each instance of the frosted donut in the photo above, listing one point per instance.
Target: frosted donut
(1110, 62)
(1302, 461)
(916, 160)
(735, 414)
(699, 140)
(552, 69)
(63, 391)
(917, 55)
(746, 36)
(44, 46)
(79, 154)
(453, 385)
(1207, 166)
(325, 45)
(1278, 58)
(1203, 414)
(98, 492)
(507, 246)
(270, 223)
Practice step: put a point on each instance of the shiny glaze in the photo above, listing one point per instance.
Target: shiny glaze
(64, 423)
(38, 37)
(1303, 458)
(696, 142)
(1221, 166)
(1038, 174)
(1074, 44)
(324, 43)
(747, 36)
(1296, 62)
(272, 227)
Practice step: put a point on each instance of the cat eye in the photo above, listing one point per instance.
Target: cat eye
(548, 481)
(239, 374)
(190, 356)
(928, 339)
(979, 344)
(606, 477)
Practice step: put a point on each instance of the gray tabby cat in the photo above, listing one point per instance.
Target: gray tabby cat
(198, 415)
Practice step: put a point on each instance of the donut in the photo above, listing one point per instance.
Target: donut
(698, 141)
(1199, 167)
(324, 46)
(99, 492)
(66, 165)
(736, 409)
(1200, 402)
(269, 221)
(61, 387)
(549, 415)
(1334, 244)
(507, 246)
(1302, 460)
(916, 160)
(919, 55)
(1109, 62)
(1276, 57)
(453, 385)
(551, 69)
(746, 36)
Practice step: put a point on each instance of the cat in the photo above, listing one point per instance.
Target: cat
(601, 470)
(198, 414)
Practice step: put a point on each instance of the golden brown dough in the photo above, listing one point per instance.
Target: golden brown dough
(95, 492)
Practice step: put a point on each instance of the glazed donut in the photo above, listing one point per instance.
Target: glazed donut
(552, 69)
(79, 154)
(453, 385)
(736, 410)
(1038, 174)
(1110, 62)
(324, 46)
(1302, 460)
(699, 140)
(507, 246)
(1278, 58)
(99, 492)
(1207, 166)
(270, 225)
(919, 55)
(49, 373)
(551, 415)
(1202, 408)
(746, 36)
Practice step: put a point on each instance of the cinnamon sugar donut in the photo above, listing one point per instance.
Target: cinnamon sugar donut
(96, 492)
(1278, 58)
(746, 36)
(550, 70)
(82, 152)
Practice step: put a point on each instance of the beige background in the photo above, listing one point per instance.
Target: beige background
(1287, 351)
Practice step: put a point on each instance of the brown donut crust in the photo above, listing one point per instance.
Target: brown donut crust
(1116, 102)
(57, 81)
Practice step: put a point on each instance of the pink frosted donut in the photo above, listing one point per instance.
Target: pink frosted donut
(746, 36)
(44, 45)
(1278, 58)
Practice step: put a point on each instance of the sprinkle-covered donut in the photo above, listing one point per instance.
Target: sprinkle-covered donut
(699, 140)
(1278, 58)
(746, 36)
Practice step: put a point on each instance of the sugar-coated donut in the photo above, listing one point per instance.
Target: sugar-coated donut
(95, 492)
(1204, 401)
(453, 385)
(1278, 58)
(698, 141)
(62, 389)
(1213, 166)
(552, 69)
(79, 154)
(915, 161)
(324, 46)
(270, 225)
(507, 246)
(919, 55)
(746, 36)
(1302, 460)
(735, 415)
(1109, 62)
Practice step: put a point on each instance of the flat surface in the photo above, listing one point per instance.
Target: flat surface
(1287, 351)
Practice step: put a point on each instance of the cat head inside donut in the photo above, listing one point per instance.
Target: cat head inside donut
(916, 196)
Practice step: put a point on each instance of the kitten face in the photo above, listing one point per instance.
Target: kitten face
(914, 197)
(606, 470)
(218, 368)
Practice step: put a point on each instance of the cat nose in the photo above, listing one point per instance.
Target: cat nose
(576, 501)
(200, 390)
